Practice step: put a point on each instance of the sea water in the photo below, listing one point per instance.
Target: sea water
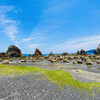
(26, 55)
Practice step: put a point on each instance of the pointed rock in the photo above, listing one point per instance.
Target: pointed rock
(78, 52)
(37, 53)
(51, 54)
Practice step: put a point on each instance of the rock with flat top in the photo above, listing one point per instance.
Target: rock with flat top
(64, 54)
(79, 70)
(89, 63)
(5, 61)
(98, 62)
(23, 60)
(77, 62)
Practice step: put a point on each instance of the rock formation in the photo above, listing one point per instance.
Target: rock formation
(97, 51)
(82, 52)
(5, 61)
(78, 52)
(77, 62)
(37, 53)
(64, 54)
(51, 54)
(4, 55)
(14, 51)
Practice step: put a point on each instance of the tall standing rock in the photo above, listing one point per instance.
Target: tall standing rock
(82, 52)
(37, 53)
(51, 54)
(78, 52)
(14, 51)
(97, 51)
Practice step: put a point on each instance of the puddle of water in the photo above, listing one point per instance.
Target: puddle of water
(48, 63)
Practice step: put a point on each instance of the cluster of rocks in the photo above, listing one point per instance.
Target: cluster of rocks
(79, 58)
(12, 52)
(81, 52)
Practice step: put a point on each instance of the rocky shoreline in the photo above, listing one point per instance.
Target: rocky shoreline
(80, 57)
(80, 60)
(83, 67)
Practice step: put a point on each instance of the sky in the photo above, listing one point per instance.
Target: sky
(50, 25)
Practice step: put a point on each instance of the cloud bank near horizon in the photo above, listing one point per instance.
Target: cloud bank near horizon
(72, 45)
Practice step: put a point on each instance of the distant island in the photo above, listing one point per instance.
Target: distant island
(91, 51)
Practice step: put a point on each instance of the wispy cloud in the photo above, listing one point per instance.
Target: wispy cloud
(33, 46)
(59, 6)
(5, 8)
(8, 25)
(87, 43)
(26, 39)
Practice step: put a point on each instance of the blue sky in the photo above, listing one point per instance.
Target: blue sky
(50, 25)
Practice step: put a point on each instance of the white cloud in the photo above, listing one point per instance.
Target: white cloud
(34, 38)
(11, 31)
(59, 6)
(26, 39)
(8, 25)
(5, 9)
(33, 46)
(87, 43)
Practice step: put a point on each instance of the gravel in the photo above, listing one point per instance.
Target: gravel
(36, 87)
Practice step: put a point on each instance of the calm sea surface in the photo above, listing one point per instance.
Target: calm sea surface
(32, 54)
(48, 54)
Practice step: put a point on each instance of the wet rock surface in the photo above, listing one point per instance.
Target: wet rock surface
(36, 87)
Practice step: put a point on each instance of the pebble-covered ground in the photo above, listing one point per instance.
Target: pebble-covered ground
(36, 87)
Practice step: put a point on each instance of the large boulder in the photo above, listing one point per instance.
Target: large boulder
(82, 52)
(5, 61)
(77, 62)
(97, 51)
(37, 53)
(65, 61)
(23, 60)
(64, 54)
(98, 62)
(14, 51)
(89, 63)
